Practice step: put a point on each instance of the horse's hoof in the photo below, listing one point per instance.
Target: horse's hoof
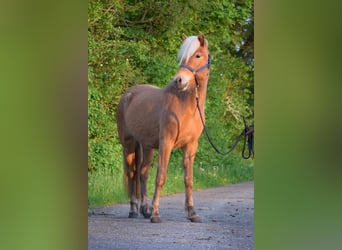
(133, 215)
(146, 211)
(155, 219)
(195, 218)
(192, 216)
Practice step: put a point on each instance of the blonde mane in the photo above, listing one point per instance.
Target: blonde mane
(188, 48)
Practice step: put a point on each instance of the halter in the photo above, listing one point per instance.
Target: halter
(195, 71)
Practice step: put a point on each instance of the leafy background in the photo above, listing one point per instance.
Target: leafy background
(136, 42)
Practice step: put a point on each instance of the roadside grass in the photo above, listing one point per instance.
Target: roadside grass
(105, 187)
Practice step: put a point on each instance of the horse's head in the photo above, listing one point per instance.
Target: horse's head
(195, 62)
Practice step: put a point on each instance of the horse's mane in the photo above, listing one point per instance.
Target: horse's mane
(188, 48)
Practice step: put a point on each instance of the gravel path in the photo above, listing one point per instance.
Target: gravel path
(227, 215)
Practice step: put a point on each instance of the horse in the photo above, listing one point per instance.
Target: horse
(150, 118)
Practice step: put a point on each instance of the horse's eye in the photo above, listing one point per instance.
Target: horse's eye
(198, 55)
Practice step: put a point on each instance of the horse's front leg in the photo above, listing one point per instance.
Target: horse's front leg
(189, 152)
(163, 160)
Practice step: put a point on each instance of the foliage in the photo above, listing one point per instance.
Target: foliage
(136, 42)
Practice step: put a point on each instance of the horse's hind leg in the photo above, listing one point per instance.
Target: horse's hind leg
(145, 210)
(131, 177)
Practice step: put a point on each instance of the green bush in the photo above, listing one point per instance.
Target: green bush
(137, 42)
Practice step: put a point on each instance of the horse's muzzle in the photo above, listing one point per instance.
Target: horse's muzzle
(181, 83)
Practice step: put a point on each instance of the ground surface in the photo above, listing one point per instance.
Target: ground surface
(227, 215)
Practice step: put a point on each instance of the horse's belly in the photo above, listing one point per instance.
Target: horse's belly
(147, 139)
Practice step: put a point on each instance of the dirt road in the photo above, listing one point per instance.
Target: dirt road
(227, 215)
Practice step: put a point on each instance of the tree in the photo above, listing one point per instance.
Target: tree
(136, 42)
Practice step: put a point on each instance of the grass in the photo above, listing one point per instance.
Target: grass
(105, 187)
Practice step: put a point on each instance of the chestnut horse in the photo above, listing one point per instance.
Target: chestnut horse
(151, 118)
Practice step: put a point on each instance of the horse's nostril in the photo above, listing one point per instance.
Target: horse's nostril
(179, 80)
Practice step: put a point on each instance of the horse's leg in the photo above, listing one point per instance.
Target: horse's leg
(189, 152)
(130, 178)
(147, 161)
(163, 160)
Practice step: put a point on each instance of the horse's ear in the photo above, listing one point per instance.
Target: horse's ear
(184, 36)
(201, 38)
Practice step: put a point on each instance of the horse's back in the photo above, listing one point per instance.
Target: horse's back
(138, 97)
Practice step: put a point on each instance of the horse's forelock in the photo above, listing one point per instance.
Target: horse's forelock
(188, 48)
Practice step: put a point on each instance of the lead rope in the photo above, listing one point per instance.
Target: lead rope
(248, 133)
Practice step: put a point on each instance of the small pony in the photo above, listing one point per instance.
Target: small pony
(151, 118)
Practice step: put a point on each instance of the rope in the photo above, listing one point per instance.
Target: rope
(248, 133)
